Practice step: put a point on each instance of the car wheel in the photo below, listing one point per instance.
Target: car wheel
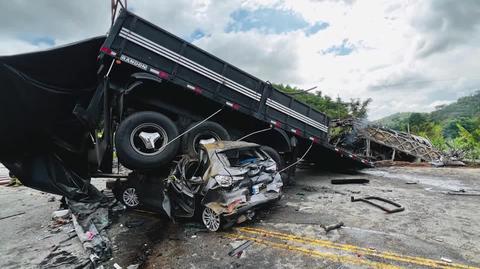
(210, 219)
(207, 130)
(127, 195)
(141, 140)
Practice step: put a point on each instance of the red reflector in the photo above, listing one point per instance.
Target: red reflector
(296, 131)
(106, 50)
(198, 90)
(163, 75)
(236, 106)
(276, 123)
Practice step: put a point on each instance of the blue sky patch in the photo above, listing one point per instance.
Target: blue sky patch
(268, 20)
(340, 50)
(315, 28)
(37, 40)
(195, 35)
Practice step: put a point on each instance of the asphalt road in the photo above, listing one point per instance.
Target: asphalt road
(436, 230)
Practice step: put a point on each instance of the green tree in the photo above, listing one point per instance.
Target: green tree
(469, 142)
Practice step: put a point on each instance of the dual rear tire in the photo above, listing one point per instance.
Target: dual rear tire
(145, 140)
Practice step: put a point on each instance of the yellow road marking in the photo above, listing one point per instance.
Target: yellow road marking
(356, 249)
(316, 254)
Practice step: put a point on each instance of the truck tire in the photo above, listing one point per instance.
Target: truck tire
(141, 138)
(274, 155)
(206, 130)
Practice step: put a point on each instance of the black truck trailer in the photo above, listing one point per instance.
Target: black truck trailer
(149, 96)
(159, 71)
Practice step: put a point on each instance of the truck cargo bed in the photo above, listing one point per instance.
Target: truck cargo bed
(154, 50)
(148, 47)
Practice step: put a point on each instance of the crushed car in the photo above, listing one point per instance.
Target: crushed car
(223, 186)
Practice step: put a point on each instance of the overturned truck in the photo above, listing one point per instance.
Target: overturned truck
(150, 96)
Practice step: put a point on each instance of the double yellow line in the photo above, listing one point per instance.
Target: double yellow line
(354, 253)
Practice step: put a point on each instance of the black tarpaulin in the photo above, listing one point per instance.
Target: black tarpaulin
(41, 141)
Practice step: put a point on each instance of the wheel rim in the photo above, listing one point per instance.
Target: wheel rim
(210, 219)
(130, 197)
(148, 139)
(204, 136)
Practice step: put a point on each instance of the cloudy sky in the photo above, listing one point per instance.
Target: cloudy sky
(407, 55)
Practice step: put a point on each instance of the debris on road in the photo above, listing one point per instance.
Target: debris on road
(304, 208)
(390, 147)
(328, 228)
(12, 215)
(463, 192)
(64, 213)
(240, 249)
(446, 260)
(309, 189)
(90, 221)
(349, 181)
(368, 199)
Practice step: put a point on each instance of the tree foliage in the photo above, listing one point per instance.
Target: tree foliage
(334, 108)
(456, 124)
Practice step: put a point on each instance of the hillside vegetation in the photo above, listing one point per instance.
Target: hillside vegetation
(334, 108)
(456, 125)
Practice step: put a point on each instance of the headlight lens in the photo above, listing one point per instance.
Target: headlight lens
(224, 181)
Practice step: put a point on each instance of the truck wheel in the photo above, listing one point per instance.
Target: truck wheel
(141, 138)
(207, 130)
(274, 155)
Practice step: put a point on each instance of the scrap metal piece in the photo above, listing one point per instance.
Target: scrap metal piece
(349, 181)
(410, 144)
(12, 215)
(367, 199)
(333, 226)
(240, 248)
(463, 193)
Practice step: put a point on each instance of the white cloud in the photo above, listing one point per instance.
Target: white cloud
(408, 56)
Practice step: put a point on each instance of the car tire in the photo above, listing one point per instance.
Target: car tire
(274, 155)
(211, 220)
(140, 138)
(127, 194)
(206, 130)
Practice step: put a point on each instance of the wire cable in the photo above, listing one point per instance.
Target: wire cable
(256, 132)
(299, 160)
(193, 127)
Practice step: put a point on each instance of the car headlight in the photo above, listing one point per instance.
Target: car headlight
(227, 181)
(224, 181)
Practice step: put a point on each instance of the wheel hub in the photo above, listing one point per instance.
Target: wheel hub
(210, 219)
(148, 139)
(130, 197)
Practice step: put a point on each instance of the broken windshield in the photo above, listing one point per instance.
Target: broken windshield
(241, 157)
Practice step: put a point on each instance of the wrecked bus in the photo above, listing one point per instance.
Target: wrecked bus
(148, 95)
